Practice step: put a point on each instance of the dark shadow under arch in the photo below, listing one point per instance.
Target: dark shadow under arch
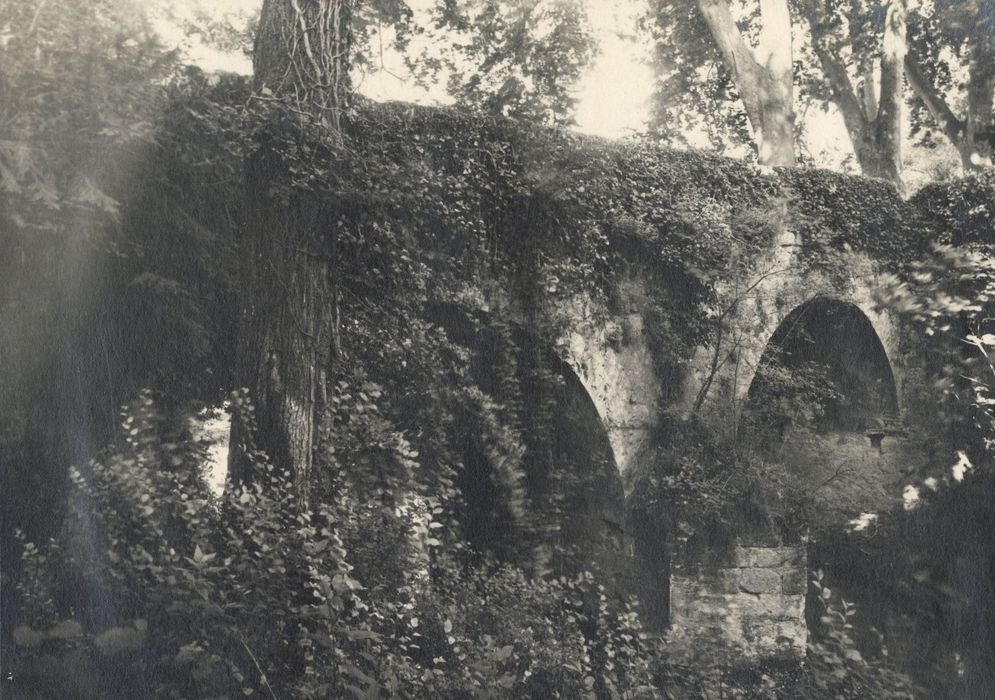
(572, 486)
(827, 351)
(824, 406)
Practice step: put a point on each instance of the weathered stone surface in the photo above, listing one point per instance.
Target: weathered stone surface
(773, 637)
(726, 581)
(752, 600)
(773, 606)
(770, 556)
(760, 581)
(614, 363)
(680, 596)
(753, 625)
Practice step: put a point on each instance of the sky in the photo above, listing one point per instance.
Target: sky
(612, 96)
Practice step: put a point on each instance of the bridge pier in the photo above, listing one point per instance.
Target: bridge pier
(751, 600)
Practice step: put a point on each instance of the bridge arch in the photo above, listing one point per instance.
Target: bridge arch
(837, 338)
(573, 468)
(612, 359)
(824, 401)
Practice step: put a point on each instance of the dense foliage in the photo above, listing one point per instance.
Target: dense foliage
(181, 595)
(438, 557)
(519, 59)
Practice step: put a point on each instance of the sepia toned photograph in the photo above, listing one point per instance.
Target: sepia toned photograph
(497, 349)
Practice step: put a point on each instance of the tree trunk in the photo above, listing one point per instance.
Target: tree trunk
(776, 140)
(887, 122)
(777, 145)
(288, 310)
(774, 125)
(763, 78)
(301, 54)
(972, 136)
(286, 332)
(877, 155)
(873, 120)
(976, 148)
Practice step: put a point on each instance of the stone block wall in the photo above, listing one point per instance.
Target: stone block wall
(753, 601)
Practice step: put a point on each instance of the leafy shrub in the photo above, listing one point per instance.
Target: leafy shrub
(156, 588)
(701, 489)
(184, 595)
(837, 665)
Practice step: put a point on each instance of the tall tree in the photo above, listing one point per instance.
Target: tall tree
(694, 95)
(302, 54)
(524, 56)
(763, 75)
(866, 40)
(288, 321)
(952, 60)
(847, 54)
(708, 62)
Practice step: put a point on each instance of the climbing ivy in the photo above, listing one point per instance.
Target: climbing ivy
(431, 215)
(960, 211)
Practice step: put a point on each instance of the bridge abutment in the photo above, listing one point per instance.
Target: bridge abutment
(751, 600)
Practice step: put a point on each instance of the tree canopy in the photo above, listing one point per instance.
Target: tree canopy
(856, 56)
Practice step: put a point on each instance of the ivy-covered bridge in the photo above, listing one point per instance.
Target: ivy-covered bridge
(778, 313)
(674, 364)
(674, 292)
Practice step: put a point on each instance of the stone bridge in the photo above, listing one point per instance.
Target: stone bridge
(613, 360)
(753, 594)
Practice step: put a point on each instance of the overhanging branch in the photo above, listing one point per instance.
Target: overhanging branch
(944, 117)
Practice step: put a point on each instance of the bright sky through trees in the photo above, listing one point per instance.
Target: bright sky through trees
(612, 95)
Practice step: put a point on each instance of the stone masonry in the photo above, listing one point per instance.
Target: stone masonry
(753, 601)
(751, 597)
